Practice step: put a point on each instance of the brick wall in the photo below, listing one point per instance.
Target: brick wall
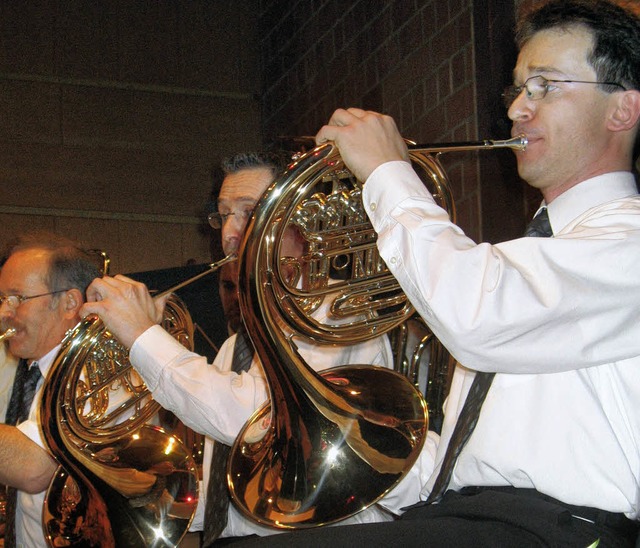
(113, 115)
(417, 60)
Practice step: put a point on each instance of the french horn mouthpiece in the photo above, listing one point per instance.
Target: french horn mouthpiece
(7, 334)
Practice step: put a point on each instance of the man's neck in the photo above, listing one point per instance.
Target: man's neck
(551, 194)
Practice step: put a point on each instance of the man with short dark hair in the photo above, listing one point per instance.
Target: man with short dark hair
(542, 424)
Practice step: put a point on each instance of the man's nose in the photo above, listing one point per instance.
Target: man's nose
(6, 311)
(521, 108)
(233, 230)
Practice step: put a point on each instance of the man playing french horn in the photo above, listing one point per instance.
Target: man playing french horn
(540, 440)
(42, 287)
(215, 399)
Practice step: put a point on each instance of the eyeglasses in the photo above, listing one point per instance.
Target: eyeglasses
(14, 301)
(537, 88)
(217, 220)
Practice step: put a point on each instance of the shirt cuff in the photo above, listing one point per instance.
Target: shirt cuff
(387, 187)
(155, 346)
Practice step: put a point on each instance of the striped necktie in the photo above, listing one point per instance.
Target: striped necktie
(24, 389)
(465, 426)
(539, 227)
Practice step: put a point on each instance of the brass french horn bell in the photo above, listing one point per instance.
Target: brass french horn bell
(328, 445)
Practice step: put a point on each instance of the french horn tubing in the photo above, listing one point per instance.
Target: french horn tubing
(121, 482)
(327, 445)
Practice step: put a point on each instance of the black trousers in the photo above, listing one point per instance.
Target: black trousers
(476, 517)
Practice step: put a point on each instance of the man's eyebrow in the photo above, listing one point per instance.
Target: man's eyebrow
(541, 71)
(244, 199)
(11, 291)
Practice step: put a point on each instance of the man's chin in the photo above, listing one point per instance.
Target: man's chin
(529, 169)
(15, 349)
(16, 345)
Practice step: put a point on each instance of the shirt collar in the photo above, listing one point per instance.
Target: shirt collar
(46, 361)
(589, 194)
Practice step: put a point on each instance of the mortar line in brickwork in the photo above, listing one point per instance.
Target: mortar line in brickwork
(125, 86)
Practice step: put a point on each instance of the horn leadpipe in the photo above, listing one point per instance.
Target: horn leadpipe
(515, 143)
(213, 267)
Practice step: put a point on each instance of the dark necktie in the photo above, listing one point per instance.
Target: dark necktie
(217, 503)
(539, 227)
(24, 388)
(465, 425)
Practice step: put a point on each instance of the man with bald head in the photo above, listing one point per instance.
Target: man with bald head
(42, 287)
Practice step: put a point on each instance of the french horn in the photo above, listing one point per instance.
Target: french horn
(122, 481)
(327, 445)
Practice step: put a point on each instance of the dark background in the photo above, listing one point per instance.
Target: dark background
(201, 297)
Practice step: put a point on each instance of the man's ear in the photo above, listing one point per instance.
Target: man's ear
(72, 300)
(626, 113)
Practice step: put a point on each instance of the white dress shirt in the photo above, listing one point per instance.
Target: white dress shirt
(557, 318)
(29, 507)
(8, 366)
(215, 401)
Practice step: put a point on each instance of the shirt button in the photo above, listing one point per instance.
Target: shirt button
(373, 206)
(393, 260)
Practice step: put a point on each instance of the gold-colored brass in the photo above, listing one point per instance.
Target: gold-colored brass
(122, 482)
(519, 142)
(328, 445)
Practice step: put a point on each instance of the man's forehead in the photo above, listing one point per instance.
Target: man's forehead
(239, 201)
(28, 260)
(26, 268)
(245, 186)
(556, 53)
